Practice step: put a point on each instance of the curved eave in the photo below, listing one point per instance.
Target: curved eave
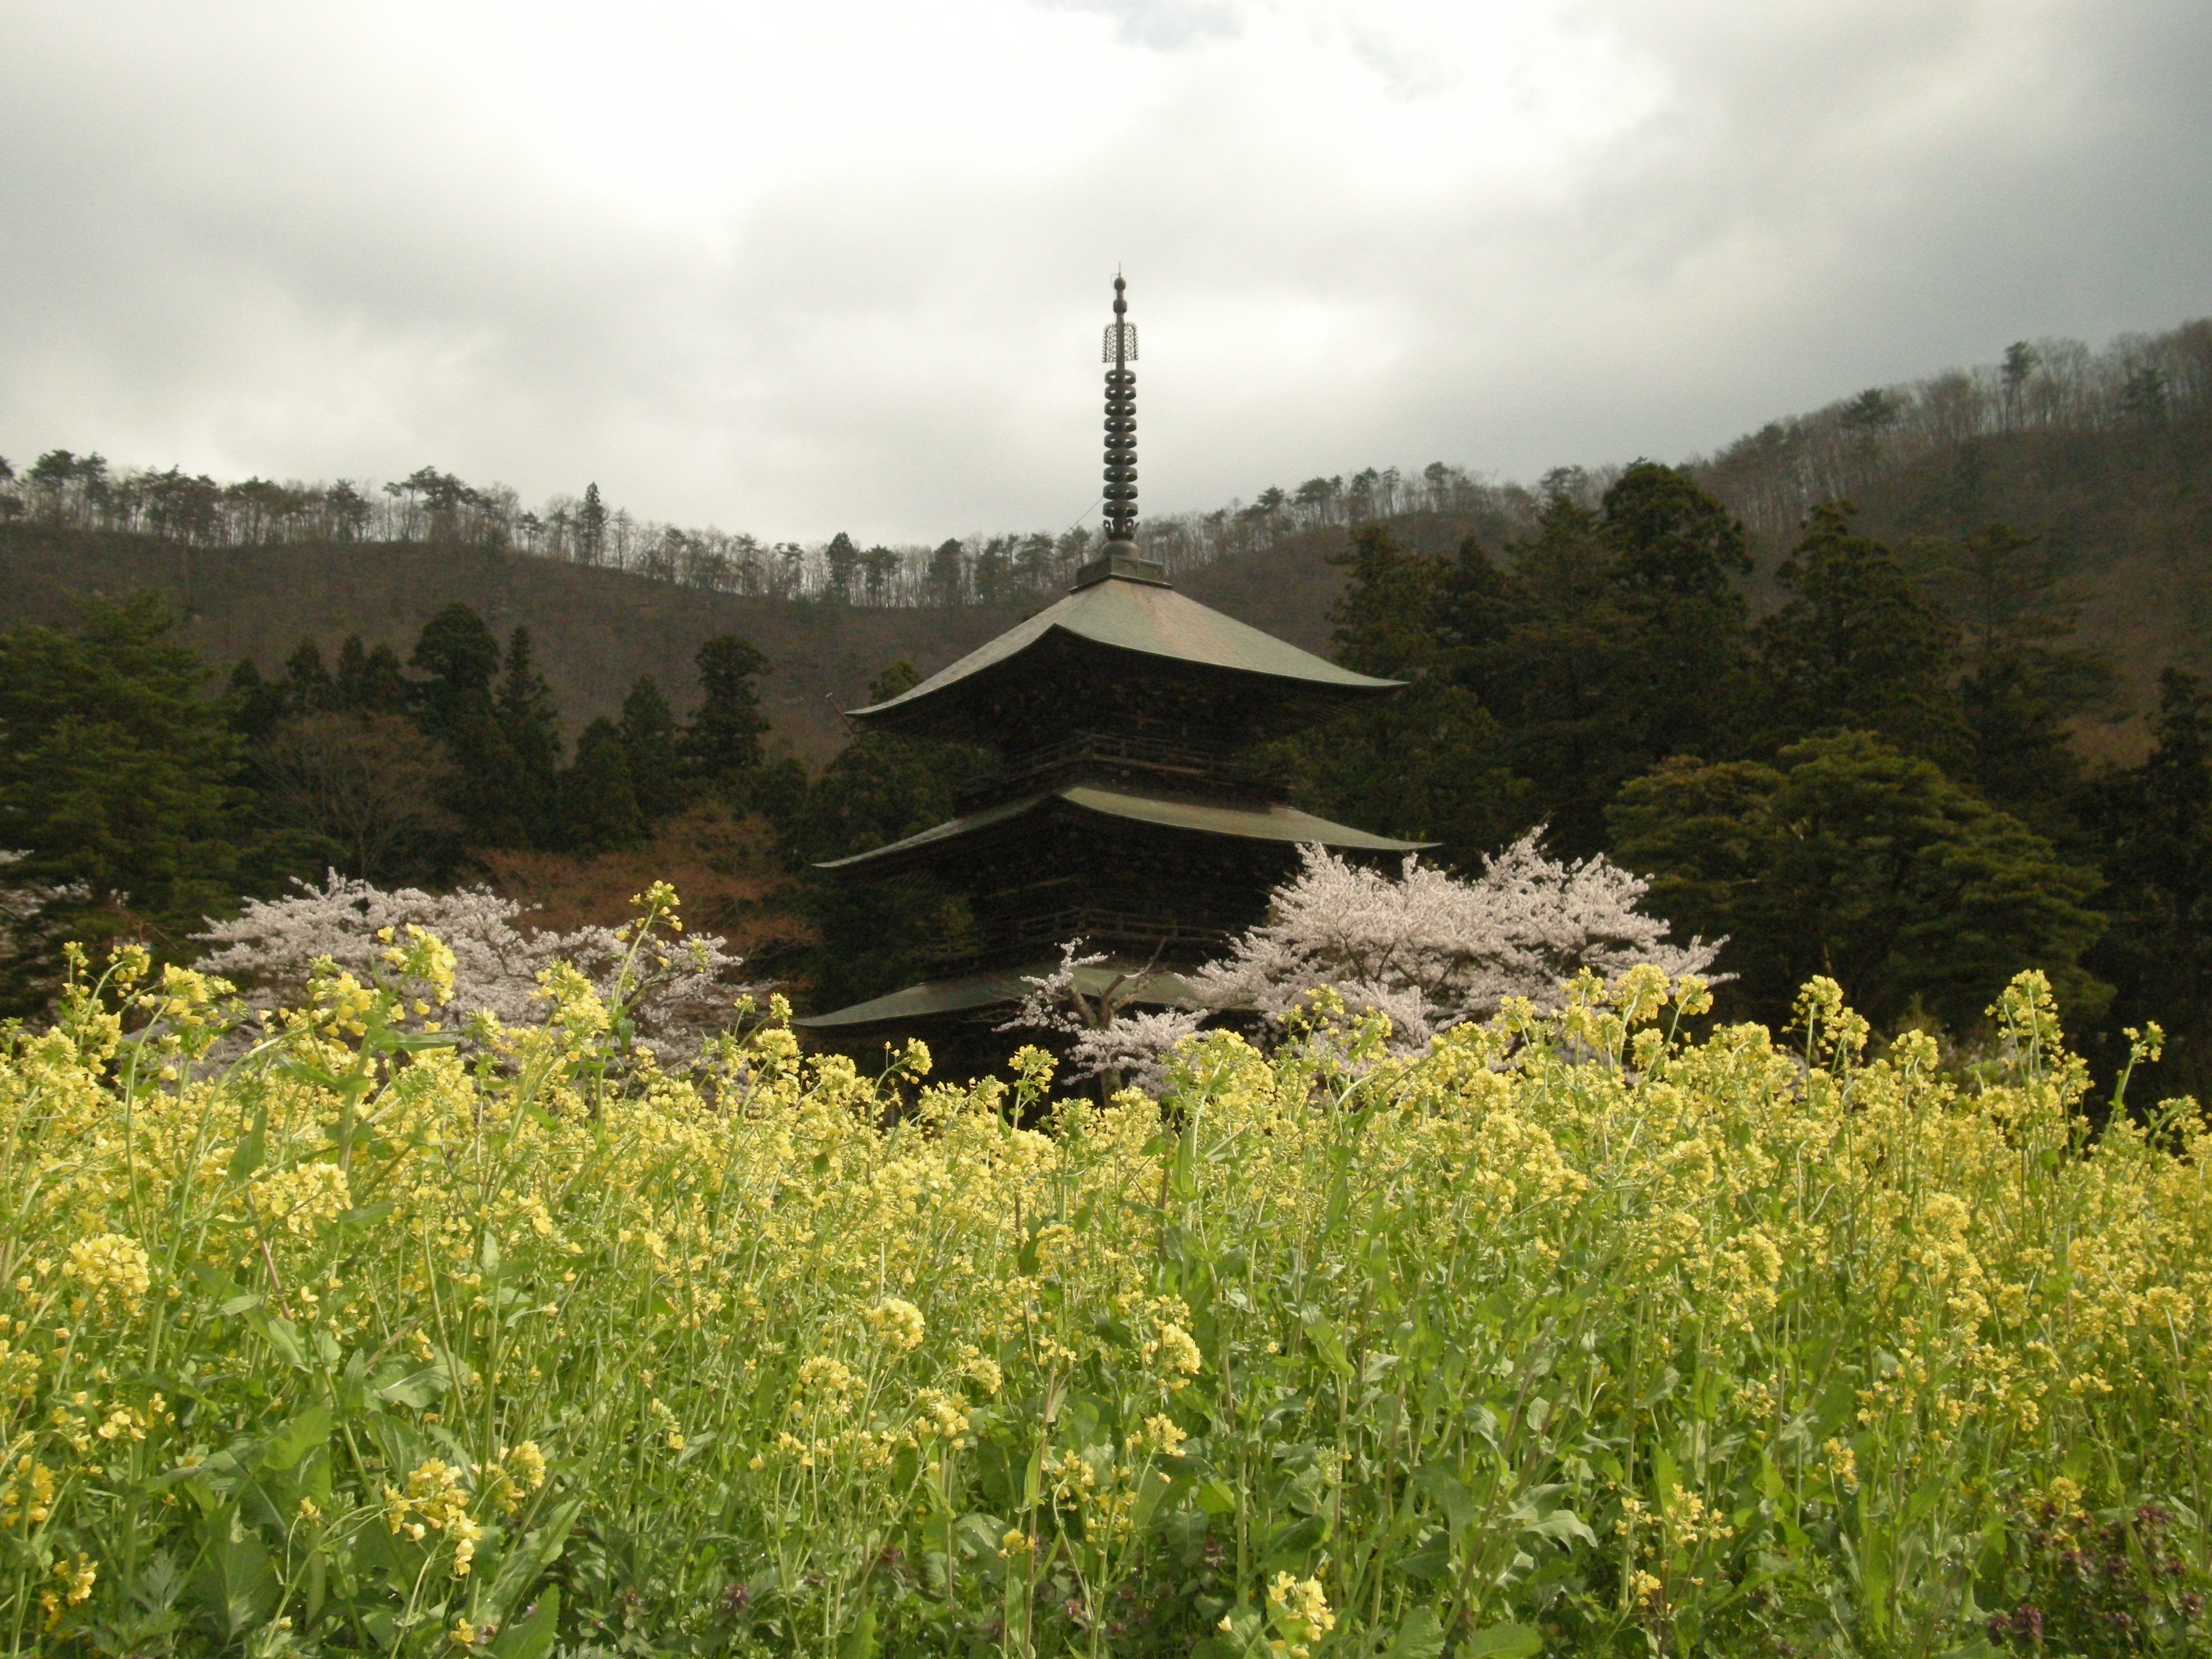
(937, 998)
(1283, 825)
(1150, 620)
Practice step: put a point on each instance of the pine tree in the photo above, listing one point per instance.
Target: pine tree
(454, 705)
(592, 526)
(2155, 832)
(720, 746)
(1850, 858)
(459, 656)
(598, 806)
(383, 688)
(529, 721)
(1680, 683)
(945, 581)
(254, 705)
(118, 777)
(1858, 647)
(370, 682)
(843, 560)
(307, 686)
(650, 737)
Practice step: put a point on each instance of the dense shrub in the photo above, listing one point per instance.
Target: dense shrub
(1567, 1332)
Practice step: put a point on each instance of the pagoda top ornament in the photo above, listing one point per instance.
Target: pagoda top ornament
(1120, 350)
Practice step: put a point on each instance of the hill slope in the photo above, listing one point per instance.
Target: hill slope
(2127, 507)
(595, 630)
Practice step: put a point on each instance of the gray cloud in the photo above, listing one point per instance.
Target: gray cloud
(794, 284)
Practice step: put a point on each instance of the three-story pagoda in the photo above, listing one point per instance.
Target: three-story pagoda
(1125, 812)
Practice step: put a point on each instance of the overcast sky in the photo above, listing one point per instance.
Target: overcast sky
(827, 265)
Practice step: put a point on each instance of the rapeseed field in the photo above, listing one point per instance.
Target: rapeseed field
(1575, 1334)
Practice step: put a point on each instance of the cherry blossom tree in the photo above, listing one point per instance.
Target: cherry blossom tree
(1430, 950)
(682, 993)
(1114, 1037)
(1425, 948)
(30, 963)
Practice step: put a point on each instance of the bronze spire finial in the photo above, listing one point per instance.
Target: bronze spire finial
(1120, 351)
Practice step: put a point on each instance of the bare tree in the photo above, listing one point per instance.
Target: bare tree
(369, 783)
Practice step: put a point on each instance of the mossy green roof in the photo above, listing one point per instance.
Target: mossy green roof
(1276, 822)
(1004, 987)
(1153, 620)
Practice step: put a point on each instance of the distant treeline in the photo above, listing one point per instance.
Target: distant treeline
(1770, 478)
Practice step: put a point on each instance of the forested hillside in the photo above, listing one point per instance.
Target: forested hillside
(597, 628)
(2104, 460)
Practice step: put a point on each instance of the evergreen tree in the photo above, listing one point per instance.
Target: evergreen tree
(1612, 640)
(722, 745)
(1429, 765)
(1850, 857)
(309, 688)
(2022, 683)
(370, 682)
(650, 738)
(2155, 825)
(253, 706)
(945, 581)
(843, 560)
(592, 526)
(1677, 554)
(779, 794)
(1548, 669)
(900, 677)
(1386, 620)
(117, 775)
(459, 656)
(599, 805)
(1858, 647)
(529, 721)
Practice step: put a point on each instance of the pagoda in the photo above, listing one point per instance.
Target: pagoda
(1126, 811)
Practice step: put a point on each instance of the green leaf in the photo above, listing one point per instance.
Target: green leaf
(410, 1042)
(297, 1438)
(1432, 1561)
(860, 1643)
(414, 1389)
(247, 1159)
(523, 1564)
(978, 1534)
(1215, 1497)
(1420, 1636)
(281, 1334)
(300, 1071)
(1503, 1641)
(234, 1581)
(1560, 1524)
(1440, 1484)
(533, 1638)
(1321, 1333)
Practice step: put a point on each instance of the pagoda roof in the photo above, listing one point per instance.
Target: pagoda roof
(1272, 823)
(1000, 987)
(1141, 614)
